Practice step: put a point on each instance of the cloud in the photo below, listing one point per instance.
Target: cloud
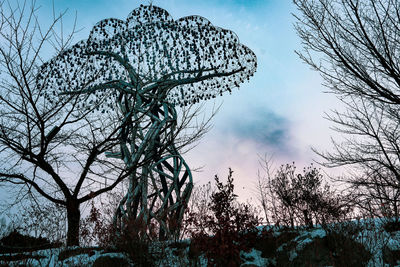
(264, 127)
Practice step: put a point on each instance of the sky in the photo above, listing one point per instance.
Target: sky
(278, 113)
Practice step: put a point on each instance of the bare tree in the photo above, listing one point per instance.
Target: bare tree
(372, 148)
(354, 45)
(49, 144)
(264, 191)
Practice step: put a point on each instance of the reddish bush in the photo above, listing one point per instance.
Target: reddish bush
(95, 229)
(232, 227)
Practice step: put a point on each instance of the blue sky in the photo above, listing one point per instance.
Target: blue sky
(279, 112)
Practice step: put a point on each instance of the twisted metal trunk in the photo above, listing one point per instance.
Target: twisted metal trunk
(160, 189)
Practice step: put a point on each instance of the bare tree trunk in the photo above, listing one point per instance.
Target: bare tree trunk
(74, 216)
(307, 219)
(291, 220)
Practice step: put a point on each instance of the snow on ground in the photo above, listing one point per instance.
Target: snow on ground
(371, 235)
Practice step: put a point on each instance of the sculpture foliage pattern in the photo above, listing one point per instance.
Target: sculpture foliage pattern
(141, 69)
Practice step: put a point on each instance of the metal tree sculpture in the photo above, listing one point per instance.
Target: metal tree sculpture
(142, 68)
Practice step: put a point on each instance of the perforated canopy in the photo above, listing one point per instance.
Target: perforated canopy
(189, 59)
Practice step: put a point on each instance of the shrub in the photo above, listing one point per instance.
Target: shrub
(331, 250)
(268, 241)
(137, 250)
(303, 199)
(96, 229)
(340, 241)
(198, 210)
(40, 218)
(391, 226)
(130, 241)
(232, 227)
(16, 242)
(390, 256)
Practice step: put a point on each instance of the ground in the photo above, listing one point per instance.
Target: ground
(370, 242)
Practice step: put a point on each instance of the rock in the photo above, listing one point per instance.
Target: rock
(110, 261)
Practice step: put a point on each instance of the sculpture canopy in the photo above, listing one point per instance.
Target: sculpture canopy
(188, 59)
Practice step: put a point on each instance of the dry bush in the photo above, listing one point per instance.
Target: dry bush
(96, 228)
(232, 227)
(293, 199)
(40, 219)
(198, 210)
